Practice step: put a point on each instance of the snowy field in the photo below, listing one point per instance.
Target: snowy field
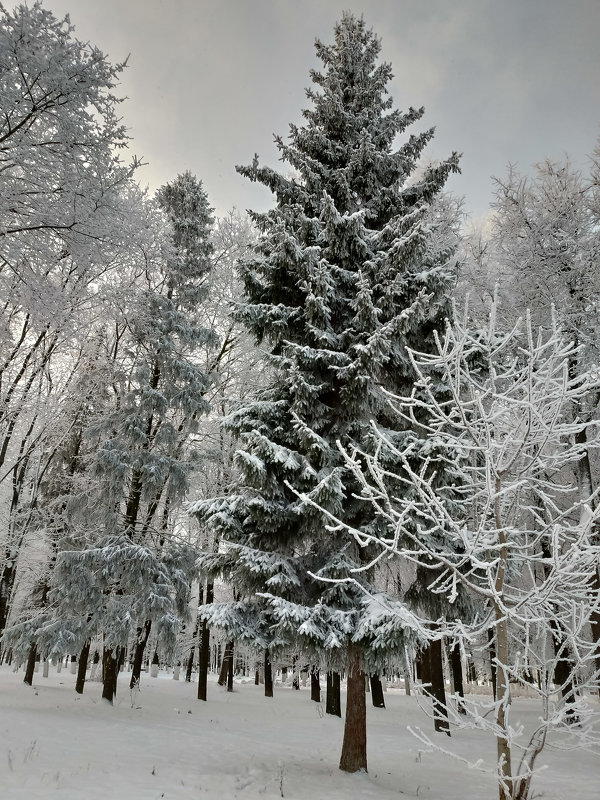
(56, 744)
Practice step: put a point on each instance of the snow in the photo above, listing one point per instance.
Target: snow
(57, 744)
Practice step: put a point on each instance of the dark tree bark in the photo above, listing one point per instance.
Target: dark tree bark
(82, 667)
(189, 664)
(268, 675)
(377, 692)
(438, 688)
(586, 484)
(7, 580)
(257, 677)
(457, 675)
(230, 670)
(564, 667)
(204, 650)
(354, 747)
(225, 664)
(295, 674)
(333, 704)
(419, 669)
(563, 673)
(138, 658)
(110, 671)
(30, 668)
(423, 667)
(195, 635)
(492, 641)
(471, 671)
(315, 686)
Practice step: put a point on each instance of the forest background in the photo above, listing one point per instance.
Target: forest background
(373, 475)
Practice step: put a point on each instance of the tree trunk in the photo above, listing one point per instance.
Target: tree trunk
(82, 667)
(110, 671)
(563, 673)
(505, 781)
(295, 674)
(204, 650)
(457, 676)
(29, 670)
(195, 638)
(377, 692)
(138, 658)
(7, 580)
(189, 664)
(315, 686)
(424, 669)
(225, 664)
(491, 640)
(586, 488)
(268, 675)
(438, 688)
(333, 703)
(564, 665)
(230, 670)
(354, 747)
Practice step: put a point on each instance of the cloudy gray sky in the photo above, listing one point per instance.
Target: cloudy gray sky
(210, 81)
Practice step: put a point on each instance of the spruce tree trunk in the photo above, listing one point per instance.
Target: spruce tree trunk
(268, 675)
(30, 668)
(110, 671)
(377, 692)
(225, 664)
(230, 669)
(195, 635)
(204, 650)
(138, 658)
(315, 686)
(295, 674)
(424, 670)
(189, 665)
(354, 747)
(82, 666)
(438, 688)
(333, 704)
(457, 676)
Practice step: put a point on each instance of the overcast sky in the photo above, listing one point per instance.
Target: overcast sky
(210, 81)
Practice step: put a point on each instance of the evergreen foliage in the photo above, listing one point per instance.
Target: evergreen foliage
(353, 264)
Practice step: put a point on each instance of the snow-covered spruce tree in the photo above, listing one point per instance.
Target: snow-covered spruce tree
(348, 270)
(143, 459)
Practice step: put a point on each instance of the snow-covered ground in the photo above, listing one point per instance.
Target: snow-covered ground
(168, 744)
